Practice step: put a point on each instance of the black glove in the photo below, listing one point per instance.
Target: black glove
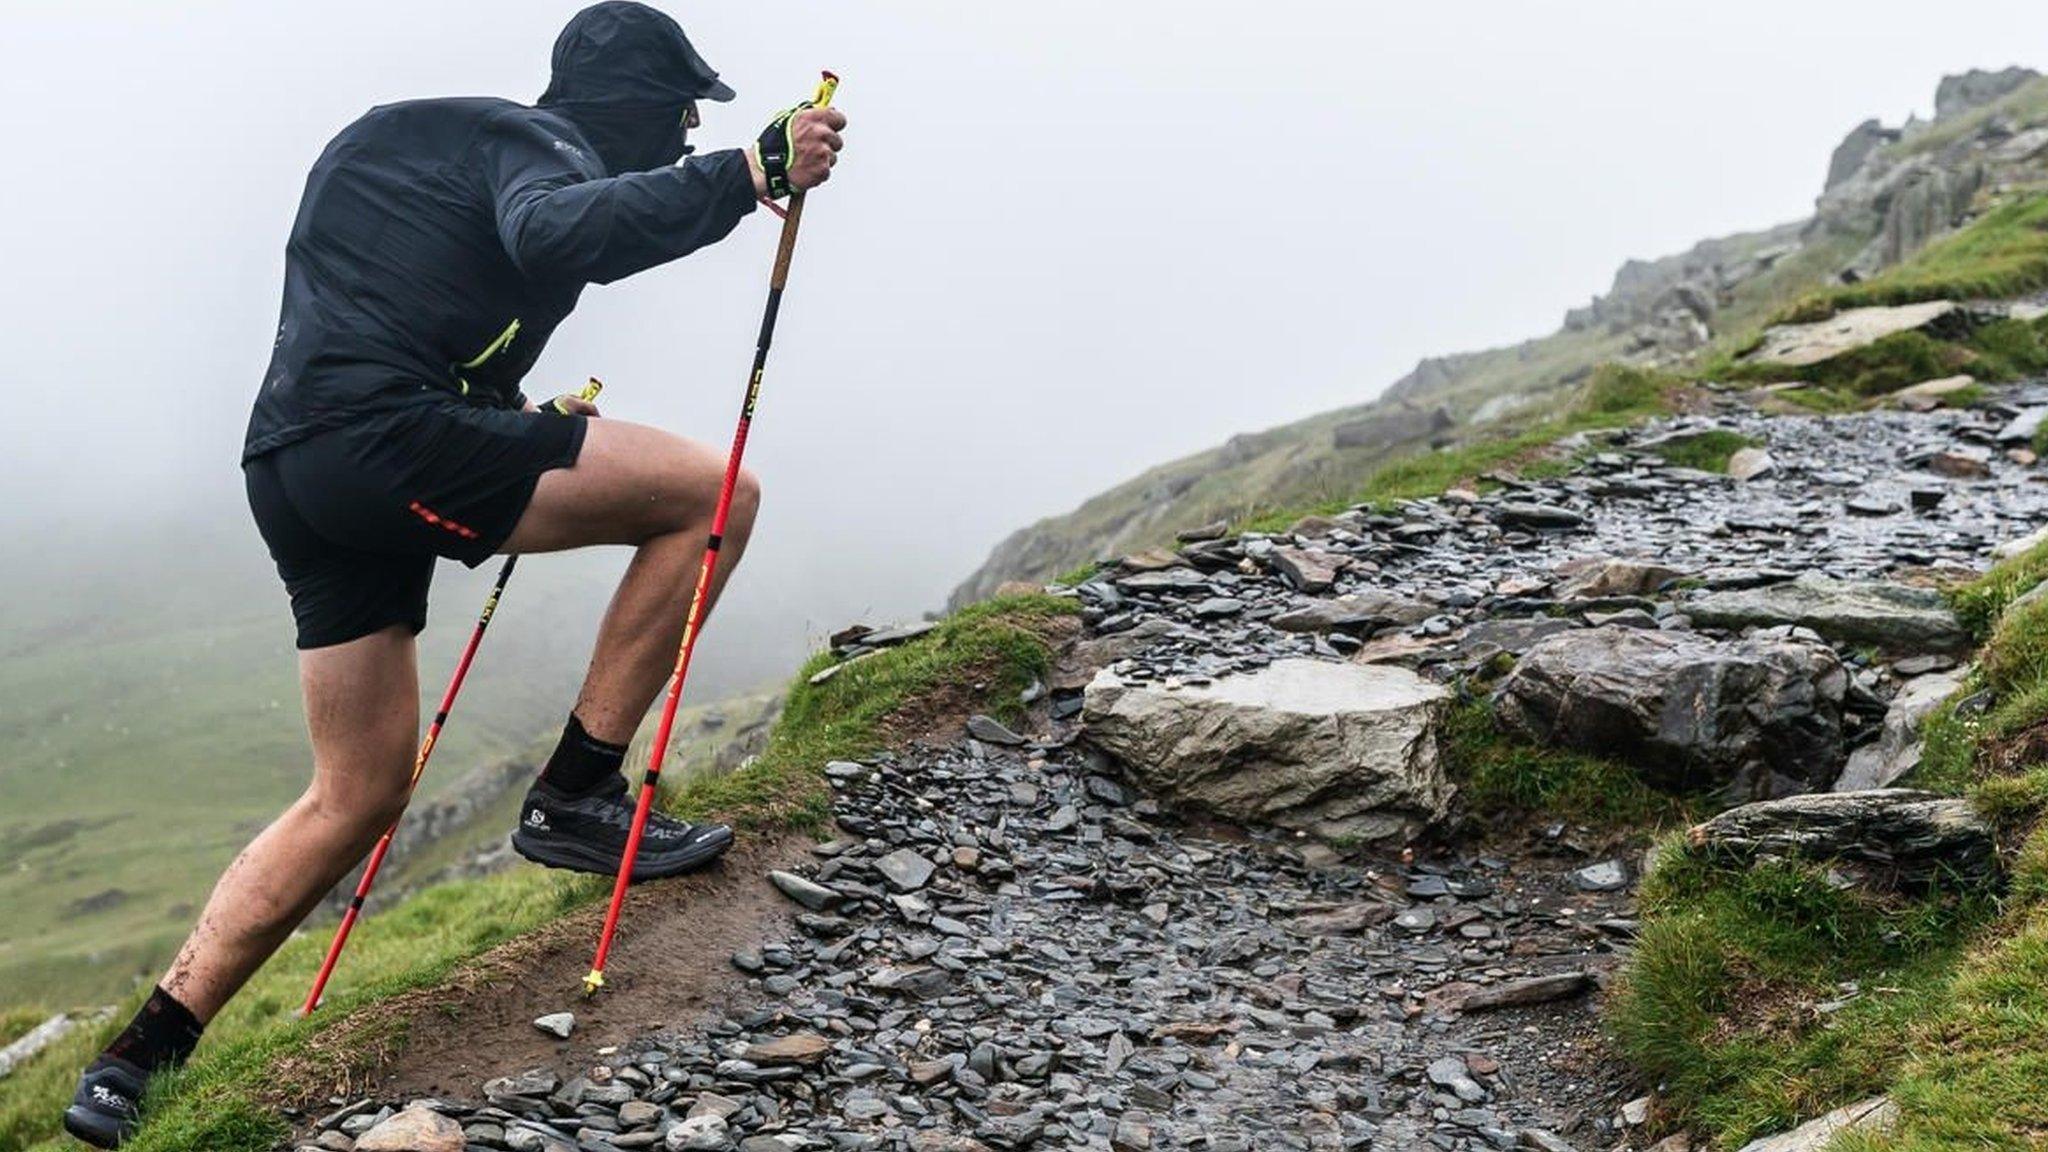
(776, 148)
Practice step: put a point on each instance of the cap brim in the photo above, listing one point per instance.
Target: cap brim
(719, 91)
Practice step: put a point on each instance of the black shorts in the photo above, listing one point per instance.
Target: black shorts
(356, 516)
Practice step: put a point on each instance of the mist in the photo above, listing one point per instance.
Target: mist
(1067, 241)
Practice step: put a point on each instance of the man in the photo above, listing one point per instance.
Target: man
(438, 244)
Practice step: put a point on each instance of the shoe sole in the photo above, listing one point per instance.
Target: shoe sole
(579, 856)
(92, 1127)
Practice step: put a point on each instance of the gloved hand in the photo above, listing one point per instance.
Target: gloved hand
(569, 404)
(798, 148)
(572, 403)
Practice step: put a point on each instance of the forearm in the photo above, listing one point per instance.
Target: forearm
(602, 230)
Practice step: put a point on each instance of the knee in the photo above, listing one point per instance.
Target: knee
(746, 498)
(363, 811)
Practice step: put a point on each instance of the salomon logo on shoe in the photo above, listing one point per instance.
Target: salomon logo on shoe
(535, 818)
(101, 1094)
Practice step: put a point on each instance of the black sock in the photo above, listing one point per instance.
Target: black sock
(582, 763)
(162, 1034)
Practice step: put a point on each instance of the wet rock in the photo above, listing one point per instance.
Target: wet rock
(1538, 516)
(413, 1130)
(810, 894)
(989, 730)
(1338, 751)
(1751, 464)
(698, 1134)
(1961, 464)
(1532, 990)
(1606, 876)
(1450, 1072)
(905, 870)
(1607, 576)
(1883, 839)
(1893, 617)
(557, 1024)
(1896, 751)
(1685, 710)
(1363, 611)
(798, 1048)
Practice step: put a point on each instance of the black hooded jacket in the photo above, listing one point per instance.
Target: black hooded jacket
(440, 242)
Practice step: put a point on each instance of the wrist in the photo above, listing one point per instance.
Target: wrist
(755, 172)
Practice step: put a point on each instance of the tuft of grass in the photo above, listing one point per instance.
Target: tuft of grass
(1979, 603)
(1706, 452)
(1079, 574)
(1720, 1004)
(2001, 255)
(1498, 776)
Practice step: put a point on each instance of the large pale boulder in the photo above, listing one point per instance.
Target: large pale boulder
(1884, 838)
(1804, 345)
(1894, 617)
(1897, 749)
(1758, 717)
(1345, 752)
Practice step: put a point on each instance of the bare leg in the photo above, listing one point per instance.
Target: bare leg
(642, 486)
(362, 709)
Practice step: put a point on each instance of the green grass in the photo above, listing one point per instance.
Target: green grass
(1973, 1073)
(1614, 396)
(1079, 574)
(1718, 1003)
(219, 1102)
(1706, 452)
(2001, 255)
(1500, 777)
(1979, 603)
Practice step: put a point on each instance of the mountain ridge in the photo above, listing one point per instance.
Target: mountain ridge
(1887, 193)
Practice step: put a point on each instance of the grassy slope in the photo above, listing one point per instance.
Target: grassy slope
(217, 1103)
(1954, 987)
(141, 747)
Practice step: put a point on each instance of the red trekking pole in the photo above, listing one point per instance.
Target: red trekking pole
(694, 621)
(419, 767)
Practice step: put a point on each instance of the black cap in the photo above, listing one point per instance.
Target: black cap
(618, 52)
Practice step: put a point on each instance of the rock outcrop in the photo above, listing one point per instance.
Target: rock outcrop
(1890, 616)
(1884, 839)
(1968, 91)
(1804, 345)
(1343, 752)
(1758, 718)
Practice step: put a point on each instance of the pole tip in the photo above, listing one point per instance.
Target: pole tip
(593, 982)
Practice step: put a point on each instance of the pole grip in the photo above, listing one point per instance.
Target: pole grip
(826, 87)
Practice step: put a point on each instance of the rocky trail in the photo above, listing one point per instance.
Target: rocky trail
(1218, 894)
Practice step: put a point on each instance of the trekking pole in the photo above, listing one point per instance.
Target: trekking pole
(419, 766)
(695, 619)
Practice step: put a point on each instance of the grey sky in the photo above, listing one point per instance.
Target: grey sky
(1068, 240)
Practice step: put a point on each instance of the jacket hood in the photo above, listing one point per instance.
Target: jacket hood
(624, 74)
